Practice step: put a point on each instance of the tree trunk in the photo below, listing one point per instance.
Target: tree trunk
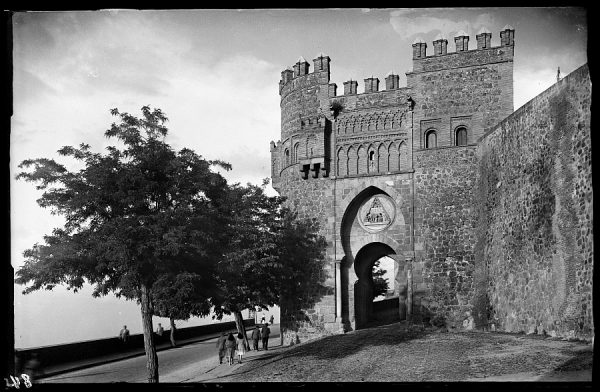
(239, 323)
(149, 347)
(172, 334)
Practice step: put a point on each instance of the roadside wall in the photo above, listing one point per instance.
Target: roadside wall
(72, 352)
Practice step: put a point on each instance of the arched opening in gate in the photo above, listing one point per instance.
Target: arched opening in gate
(370, 308)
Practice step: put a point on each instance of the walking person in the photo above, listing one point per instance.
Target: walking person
(159, 333)
(271, 319)
(230, 345)
(265, 336)
(221, 346)
(241, 347)
(124, 335)
(255, 338)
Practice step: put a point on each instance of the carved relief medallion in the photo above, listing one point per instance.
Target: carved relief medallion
(377, 213)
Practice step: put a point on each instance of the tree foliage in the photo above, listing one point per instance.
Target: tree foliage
(302, 253)
(250, 264)
(271, 256)
(136, 219)
(380, 284)
(161, 227)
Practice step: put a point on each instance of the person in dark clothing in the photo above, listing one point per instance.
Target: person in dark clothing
(255, 338)
(221, 346)
(159, 333)
(230, 345)
(265, 331)
(124, 335)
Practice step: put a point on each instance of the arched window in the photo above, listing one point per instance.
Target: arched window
(352, 161)
(393, 154)
(431, 139)
(382, 165)
(311, 143)
(361, 161)
(372, 164)
(403, 156)
(342, 163)
(287, 156)
(295, 154)
(461, 136)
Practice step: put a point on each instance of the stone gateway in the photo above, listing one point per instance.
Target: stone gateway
(486, 212)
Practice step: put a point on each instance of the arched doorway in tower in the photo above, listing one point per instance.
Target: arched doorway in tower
(371, 306)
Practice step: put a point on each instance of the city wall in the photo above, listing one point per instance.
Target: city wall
(445, 235)
(535, 213)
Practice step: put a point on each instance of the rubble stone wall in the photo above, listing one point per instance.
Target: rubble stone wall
(536, 208)
(445, 235)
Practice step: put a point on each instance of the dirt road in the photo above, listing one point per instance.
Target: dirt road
(402, 353)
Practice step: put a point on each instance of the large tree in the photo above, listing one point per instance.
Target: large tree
(250, 266)
(134, 217)
(271, 255)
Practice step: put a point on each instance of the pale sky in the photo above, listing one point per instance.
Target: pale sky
(215, 74)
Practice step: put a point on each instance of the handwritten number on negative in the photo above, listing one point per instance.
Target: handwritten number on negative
(15, 382)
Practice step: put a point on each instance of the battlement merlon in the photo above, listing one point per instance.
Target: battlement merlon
(299, 74)
(299, 77)
(463, 57)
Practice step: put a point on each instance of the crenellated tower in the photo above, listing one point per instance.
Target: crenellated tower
(465, 90)
(389, 172)
(305, 125)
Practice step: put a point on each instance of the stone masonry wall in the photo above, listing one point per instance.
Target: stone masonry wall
(376, 100)
(445, 179)
(351, 237)
(472, 94)
(304, 97)
(312, 198)
(502, 226)
(464, 59)
(536, 195)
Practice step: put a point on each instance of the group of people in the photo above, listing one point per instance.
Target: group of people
(124, 333)
(229, 345)
(261, 334)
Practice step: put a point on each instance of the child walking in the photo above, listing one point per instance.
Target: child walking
(241, 347)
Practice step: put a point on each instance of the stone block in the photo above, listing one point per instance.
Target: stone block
(329, 317)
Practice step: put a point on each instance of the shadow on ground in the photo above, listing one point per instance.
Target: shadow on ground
(404, 352)
(583, 360)
(339, 346)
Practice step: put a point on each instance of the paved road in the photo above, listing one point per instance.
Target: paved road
(181, 364)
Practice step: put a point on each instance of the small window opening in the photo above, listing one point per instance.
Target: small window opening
(461, 136)
(431, 139)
